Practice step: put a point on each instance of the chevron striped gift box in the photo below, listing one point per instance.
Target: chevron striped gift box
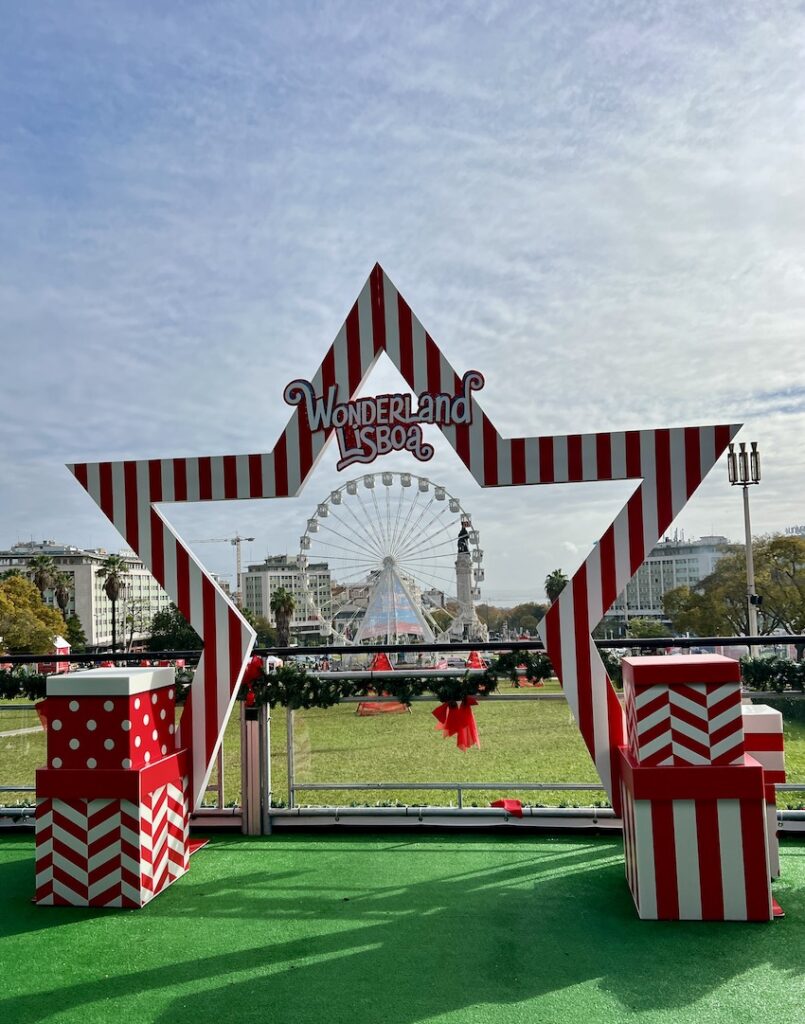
(763, 738)
(695, 841)
(113, 807)
(111, 852)
(683, 710)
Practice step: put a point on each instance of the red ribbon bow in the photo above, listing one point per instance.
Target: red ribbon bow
(253, 672)
(458, 720)
(514, 807)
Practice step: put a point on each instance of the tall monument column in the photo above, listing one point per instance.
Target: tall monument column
(466, 625)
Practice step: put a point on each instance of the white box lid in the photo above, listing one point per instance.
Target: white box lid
(761, 718)
(109, 682)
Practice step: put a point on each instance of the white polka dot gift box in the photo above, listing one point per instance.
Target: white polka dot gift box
(112, 804)
(111, 718)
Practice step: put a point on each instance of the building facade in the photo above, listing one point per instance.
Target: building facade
(141, 597)
(674, 562)
(311, 589)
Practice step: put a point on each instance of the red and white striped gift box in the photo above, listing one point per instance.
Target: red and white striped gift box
(111, 838)
(763, 739)
(111, 852)
(683, 710)
(695, 841)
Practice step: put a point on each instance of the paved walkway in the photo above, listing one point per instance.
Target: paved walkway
(21, 732)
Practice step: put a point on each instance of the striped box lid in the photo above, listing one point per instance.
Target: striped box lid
(680, 669)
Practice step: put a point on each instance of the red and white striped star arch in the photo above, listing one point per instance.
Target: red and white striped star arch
(669, 464)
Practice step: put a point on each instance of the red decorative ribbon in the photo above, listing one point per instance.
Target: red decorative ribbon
(514, 807)
(458, 720)
(253, 672)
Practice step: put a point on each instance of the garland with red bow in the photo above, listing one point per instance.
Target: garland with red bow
(292, 686)
(457, 719)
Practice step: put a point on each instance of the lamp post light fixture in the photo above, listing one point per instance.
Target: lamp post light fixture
(743, 469)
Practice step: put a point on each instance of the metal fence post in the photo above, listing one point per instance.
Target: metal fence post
(289, 745)
(249, 771)
(264, 732)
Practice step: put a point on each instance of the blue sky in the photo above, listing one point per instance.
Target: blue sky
(601, 206)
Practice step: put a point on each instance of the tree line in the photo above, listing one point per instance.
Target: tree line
(716, 606)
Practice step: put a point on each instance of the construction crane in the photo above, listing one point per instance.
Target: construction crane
(236, 542)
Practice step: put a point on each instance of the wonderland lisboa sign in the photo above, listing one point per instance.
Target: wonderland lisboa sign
(369, 427)
(666, 464)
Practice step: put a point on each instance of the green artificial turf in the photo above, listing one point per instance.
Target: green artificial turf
(395, 929)
(535, 741)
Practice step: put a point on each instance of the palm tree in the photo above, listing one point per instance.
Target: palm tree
(42, 569)
(282, 605)
(113, 572)
(555, 583)
(62, 584)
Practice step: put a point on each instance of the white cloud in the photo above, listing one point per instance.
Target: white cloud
(599, 206)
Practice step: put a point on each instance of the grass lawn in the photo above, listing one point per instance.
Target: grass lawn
(395, 929)
(535, 741)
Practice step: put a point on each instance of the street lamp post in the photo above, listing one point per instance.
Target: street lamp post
(743, 469)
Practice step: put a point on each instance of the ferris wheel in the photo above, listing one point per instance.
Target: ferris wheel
(378, 558)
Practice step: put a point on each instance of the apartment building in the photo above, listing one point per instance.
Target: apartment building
(311, 589)
(674, 562)
(141, 597)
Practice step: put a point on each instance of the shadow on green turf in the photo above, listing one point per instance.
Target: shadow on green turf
(405, 953)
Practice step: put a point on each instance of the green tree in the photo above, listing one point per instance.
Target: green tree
(75, 635)
(282, 606)
(529, 624)
(642, 629)
(136, 621)
(63, 584)
(170, 631)
(555, 583)
(114, 573)
(42, 569)
(717, 605)
(526, 616)
(27, 625)
(266, 633)
(782, 582)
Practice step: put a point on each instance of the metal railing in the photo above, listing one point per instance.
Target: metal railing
(216, 787)
(260, 769)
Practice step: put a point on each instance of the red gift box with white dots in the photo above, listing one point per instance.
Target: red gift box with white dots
(111, 718)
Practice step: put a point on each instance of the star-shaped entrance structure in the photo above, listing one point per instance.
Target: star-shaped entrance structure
(669, 463)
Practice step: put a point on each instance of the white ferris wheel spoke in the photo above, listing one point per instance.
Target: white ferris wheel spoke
(348, 527)
(353, 546)
(396, 523)
(412, 528)
(423, 538)
(361, 526)
(370, 523)
(380, 521)
(411, 506)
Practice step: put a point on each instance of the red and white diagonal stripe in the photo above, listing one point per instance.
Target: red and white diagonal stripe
(667, 464)
(694, 723)
(111, 853)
